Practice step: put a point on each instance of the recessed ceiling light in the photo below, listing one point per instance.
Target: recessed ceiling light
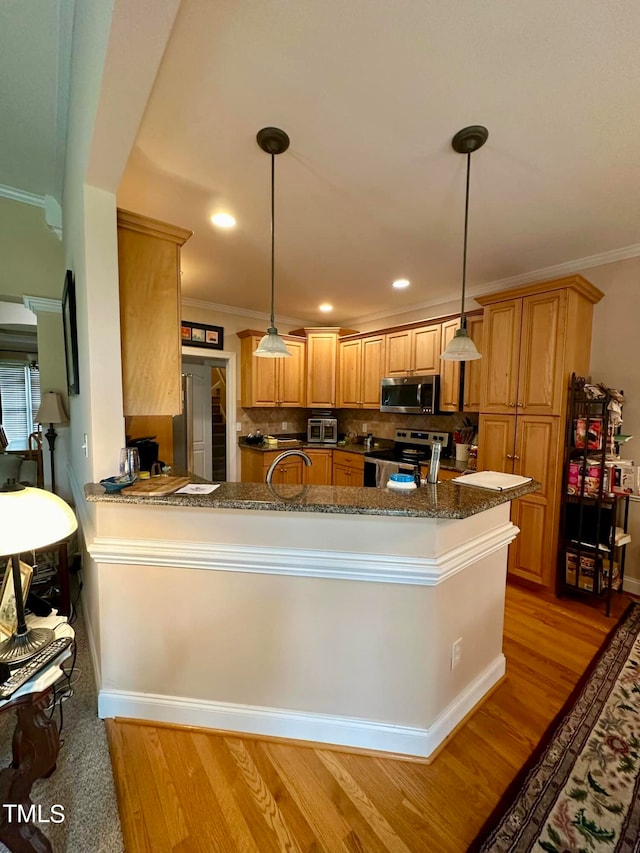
(326, 307)
(223, 220)
(400, 283)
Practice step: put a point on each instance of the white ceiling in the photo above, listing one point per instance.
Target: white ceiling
(370, 92)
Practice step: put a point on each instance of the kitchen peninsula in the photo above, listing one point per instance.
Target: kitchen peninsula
(321, 613)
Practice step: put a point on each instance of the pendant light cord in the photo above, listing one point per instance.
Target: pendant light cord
(463, 319)
(273, 237)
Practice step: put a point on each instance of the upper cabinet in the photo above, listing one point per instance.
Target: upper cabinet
(473, 369)
(149, 275)
(451, 373)
(528, 342)
(413, 351)
(361, 366)
(322, 362)
(272, 381)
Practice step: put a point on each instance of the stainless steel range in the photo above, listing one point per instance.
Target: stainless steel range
(410, 448)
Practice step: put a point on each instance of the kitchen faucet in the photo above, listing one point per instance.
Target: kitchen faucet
(283, 455)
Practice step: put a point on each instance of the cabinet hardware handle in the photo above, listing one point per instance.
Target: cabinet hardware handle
(520, 405)
(516, 457)
(510, 456)
(511, 405)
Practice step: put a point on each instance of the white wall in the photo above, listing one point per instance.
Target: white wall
(615, 360)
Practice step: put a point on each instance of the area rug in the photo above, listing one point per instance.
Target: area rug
(580, 791)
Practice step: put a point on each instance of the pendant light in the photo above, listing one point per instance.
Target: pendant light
(273, 141)
(461, 347)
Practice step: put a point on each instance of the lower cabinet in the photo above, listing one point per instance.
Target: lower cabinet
(255, 464)
(319, 473)
(348, 468)
(528, 445)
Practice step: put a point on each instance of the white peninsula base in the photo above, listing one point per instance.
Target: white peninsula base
(335, 628)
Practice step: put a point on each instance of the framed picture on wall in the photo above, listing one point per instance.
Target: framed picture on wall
(200, 335)
(70, 333)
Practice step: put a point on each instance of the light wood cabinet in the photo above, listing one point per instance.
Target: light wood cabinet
(524, 340)
(534, 337)
(272, 381)
(348, 468)
(473, 369)
(361, 365)
(452, 373)
(322, 360)
(319, 473)
(255, 464)
(149, 276)
(531, 446)
(449, 371)
(413, 351)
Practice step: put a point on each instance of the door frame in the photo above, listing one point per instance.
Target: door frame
(233, 475)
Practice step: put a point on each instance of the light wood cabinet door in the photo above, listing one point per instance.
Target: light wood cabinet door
(319, 473)
(290, 389)
(449, 372)
(288, 472)
(372, 371)
(398, 353)
(542, 346)
(322, 359)
(473, 369)
(350, 374)
(149, 285)
(345, 476)
(426, 350)
(254, 465)
(258, 375)
(496, 443)
(501, 356)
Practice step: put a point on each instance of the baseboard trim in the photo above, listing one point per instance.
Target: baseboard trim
(303, 726)
(631, 585)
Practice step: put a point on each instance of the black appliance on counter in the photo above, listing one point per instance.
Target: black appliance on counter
(411, 447)
(147, 451)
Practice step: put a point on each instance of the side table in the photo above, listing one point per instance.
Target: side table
(36, 744)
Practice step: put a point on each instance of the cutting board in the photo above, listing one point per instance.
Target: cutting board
(156, 486)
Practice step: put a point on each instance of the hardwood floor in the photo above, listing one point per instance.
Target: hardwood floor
(187, 790)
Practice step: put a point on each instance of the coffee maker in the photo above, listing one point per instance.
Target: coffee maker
(147, 451)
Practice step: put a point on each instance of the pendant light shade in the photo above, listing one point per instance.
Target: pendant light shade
(273, 141)
(461, 347)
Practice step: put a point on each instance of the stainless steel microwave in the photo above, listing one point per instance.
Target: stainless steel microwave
(410, 395)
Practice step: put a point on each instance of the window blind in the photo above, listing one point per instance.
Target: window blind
(20, 393)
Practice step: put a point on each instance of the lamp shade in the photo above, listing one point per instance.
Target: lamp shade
(461, 348)
(51, 410)
(33, 518)
(272, 346)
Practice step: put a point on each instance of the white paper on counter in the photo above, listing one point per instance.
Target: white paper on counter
(198, 489)
(495, 480)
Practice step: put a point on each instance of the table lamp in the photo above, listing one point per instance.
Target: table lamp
(31, 518)
(51, 412)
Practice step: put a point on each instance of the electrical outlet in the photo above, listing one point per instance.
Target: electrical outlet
(285, 425)
(238, 426)
(364, 428)
(456, 653)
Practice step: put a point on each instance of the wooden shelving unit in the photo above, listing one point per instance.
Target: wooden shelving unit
(594, 520)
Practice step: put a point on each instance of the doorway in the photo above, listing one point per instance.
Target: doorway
(214, 407)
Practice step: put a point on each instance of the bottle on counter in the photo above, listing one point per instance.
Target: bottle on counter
(368, 442)
(472, 463)
(434, 467)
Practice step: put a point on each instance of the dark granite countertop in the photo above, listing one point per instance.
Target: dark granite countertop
(445, 500)
(445, 463)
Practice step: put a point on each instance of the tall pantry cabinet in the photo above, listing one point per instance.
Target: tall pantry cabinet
(534, 338)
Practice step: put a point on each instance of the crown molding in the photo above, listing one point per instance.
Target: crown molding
(242, 312)
(21, 195)
(557, 271)
(40, 303)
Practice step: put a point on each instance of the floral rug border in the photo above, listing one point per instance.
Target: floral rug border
(579, 791)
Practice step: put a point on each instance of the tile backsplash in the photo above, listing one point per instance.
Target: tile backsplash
(382, 424)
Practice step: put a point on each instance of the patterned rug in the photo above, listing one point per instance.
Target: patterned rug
(580, 790)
